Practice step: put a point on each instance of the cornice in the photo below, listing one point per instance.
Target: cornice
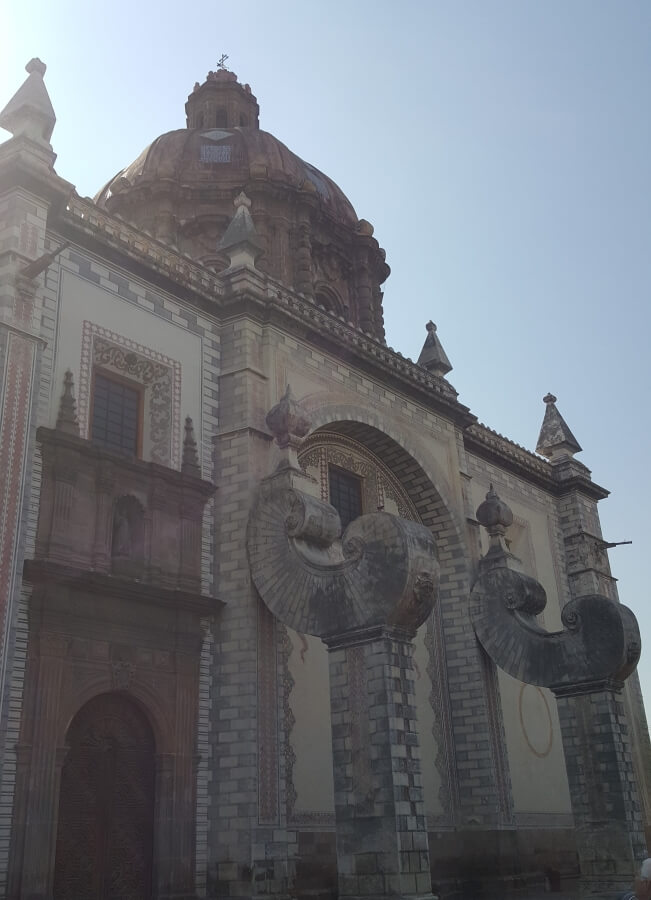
(87, 221)
(44, 571)
(147, 471)
(493, 447)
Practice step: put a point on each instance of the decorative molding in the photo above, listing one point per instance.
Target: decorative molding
(159, 374)
(14, 427)
(488, 444)
(439, 698)
(88, 217)
(284, 652)
(122, 674)
(323, 448)
(268, 756)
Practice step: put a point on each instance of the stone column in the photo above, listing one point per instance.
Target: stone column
(381, 831)
(605, 802)
(585, 665)
(364, 593)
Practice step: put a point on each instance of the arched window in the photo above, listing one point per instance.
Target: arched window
(199, 121)
(220, 118)
(329, 299)
(243, 121)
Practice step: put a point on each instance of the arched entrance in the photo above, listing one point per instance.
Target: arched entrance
(106, 808)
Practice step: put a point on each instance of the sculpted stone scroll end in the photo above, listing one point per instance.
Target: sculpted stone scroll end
(600, 642)
(382, 573)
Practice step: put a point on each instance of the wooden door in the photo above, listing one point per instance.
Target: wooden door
(106, 804)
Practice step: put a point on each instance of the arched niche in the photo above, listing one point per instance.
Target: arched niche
(128, 536)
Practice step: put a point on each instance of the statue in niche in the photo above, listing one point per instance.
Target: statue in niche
(127, 540)
(121, 545)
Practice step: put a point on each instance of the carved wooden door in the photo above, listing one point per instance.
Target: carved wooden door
(106, 806)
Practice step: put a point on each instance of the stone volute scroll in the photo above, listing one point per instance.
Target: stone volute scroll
(381, 572)
(600, 643)
(364, 593)
(585, 666)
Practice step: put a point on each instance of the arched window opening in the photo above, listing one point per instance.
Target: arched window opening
(329, 299)
(243, 120)
(199, 120)
(220, 118)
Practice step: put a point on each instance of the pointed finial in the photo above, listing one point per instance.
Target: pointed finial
(190, 464)
(242, 200)
(29, 113)
(67, 419)
(555, 439)
(240, 240)
(433, 357)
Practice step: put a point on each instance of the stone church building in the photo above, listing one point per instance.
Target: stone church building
(204, 691)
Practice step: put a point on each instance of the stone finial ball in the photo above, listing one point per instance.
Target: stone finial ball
(494, 511)
(36, 65)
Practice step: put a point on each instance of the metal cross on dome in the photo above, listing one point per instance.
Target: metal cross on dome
(221, 62)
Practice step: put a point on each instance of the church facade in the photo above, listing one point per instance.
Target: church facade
(164, 733)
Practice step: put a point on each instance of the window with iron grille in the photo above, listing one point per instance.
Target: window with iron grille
(116, 415)
(345, 494)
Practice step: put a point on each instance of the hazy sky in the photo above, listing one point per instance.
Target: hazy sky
(501, 150)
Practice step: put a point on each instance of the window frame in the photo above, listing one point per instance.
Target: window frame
(353, 476)
(138, 389)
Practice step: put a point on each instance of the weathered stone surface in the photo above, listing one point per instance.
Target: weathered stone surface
(364, 595)
(382, 572)
(585, 665)
(601, 642)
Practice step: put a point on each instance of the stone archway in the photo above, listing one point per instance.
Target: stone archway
(104, 847)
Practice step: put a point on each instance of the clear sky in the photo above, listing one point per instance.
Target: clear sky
(501, 149)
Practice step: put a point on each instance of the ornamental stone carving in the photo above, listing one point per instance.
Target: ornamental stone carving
(383, 571)
(585, 665)
(364, 593)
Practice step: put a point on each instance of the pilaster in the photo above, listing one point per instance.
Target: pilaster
(382, 845)
(605, 802)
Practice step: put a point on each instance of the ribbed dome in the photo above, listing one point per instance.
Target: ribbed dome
(182, 187)
(227, 159)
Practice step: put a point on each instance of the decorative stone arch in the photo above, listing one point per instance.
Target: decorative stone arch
(327, 297)
(394, 446)
(418, 480)
(106, 822)
(150, 703)
(458, 666)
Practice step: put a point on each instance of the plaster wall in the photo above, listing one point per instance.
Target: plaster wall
(133, 328)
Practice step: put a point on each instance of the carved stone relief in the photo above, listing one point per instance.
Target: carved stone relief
(159, 376)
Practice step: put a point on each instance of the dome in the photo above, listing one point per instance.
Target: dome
(182, 186)
(228, 159)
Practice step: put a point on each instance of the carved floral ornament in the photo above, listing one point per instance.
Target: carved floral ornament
(159, 376)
